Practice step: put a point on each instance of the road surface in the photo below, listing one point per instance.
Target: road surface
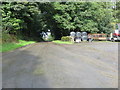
(50, 65)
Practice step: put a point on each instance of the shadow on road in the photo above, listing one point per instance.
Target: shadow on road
(21, 69)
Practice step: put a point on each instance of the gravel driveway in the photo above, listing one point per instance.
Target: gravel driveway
(50, 65)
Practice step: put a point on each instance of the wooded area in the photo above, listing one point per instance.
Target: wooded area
(26, 20)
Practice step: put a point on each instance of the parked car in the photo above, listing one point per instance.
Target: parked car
(115, 36)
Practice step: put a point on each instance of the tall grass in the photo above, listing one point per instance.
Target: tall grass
(10, 42)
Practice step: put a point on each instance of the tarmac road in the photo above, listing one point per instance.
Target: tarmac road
(50, 65)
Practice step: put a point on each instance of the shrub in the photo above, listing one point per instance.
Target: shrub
(66, 38)
(6, 38)
(51, 38)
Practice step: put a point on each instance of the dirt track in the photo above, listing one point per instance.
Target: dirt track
(49, 65)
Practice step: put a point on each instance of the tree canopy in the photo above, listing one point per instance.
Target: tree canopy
(31, 18)
(118, 11)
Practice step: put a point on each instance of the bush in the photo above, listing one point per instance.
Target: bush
(66, 38)
(6, 38)
(51, 38)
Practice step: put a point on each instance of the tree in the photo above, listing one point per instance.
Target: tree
(91, 17)
(118, 11)
(26, 23)
(59, 17)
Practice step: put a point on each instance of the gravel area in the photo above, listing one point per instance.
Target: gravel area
(50, 65)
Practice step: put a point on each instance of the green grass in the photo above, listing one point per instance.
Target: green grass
(11, 46)
(62, 42)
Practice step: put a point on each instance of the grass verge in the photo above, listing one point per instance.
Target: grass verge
(11, 46)
(62, 42)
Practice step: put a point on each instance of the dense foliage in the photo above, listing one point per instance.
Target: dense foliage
(66, 38)
(90, 17)
(21, 19)
(118, 11)
(29, 19)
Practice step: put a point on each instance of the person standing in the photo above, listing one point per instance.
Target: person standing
(90, 39)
